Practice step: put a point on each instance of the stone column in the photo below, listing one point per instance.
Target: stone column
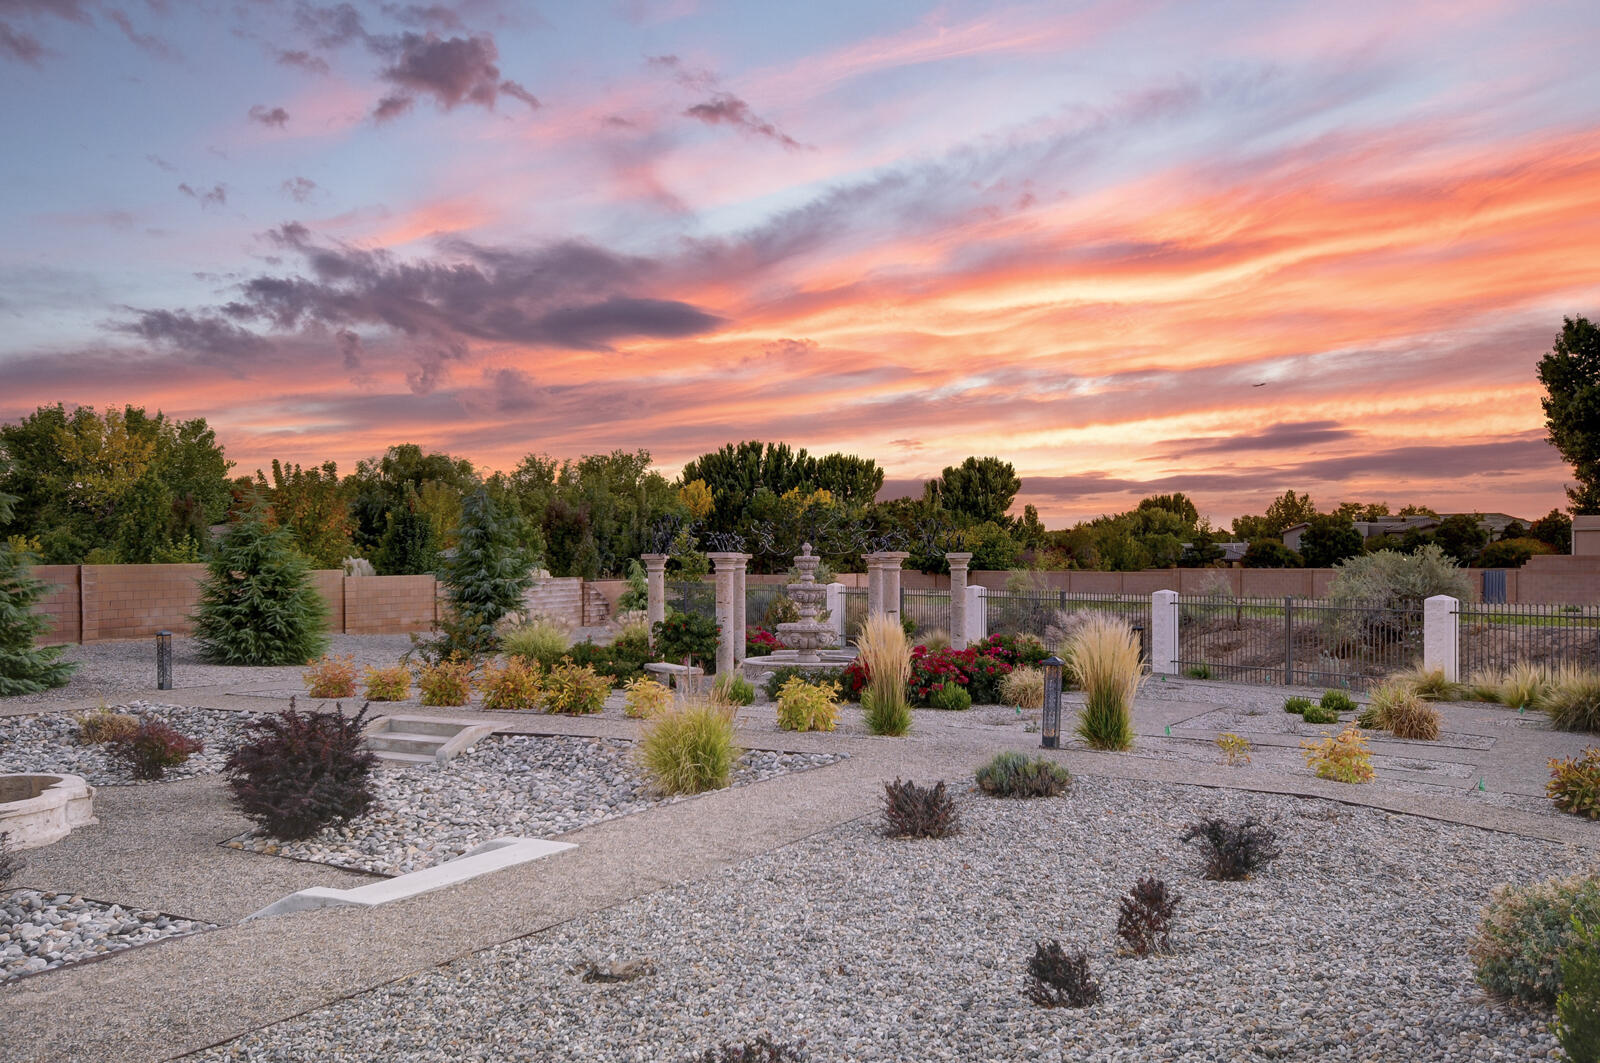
(892, 560)
(655, 580)
(835, 607)
(741, 570)
(1441, 636)
(723, 565)
(1164, 632)
(874, 583)
(977, 613)
(958, 599)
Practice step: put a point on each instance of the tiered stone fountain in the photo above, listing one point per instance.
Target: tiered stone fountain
(809, 641)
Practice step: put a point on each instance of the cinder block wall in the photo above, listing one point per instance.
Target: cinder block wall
(133, 601)
(386, 605)
(62, 606)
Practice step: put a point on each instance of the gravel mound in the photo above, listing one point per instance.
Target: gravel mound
(42, 931)
(1350, 946)
(48, 743)
(507, 784)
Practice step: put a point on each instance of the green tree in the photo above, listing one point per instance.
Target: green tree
(1289, 509)
(977, 490)
(852, 481)
(1461, 536)
(1554, 529)
(312, 505)
(1270, 553)
(144, 521)
(410, 545)
(25, 668)
(1362, 510)
(1329, 540)
(1570, 373)
(1178, 504)
(257, 602)
(484, 579)
(378, 485)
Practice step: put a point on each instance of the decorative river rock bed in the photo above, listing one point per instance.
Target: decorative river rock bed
(525, 785)
(40, 931)
(49, 742)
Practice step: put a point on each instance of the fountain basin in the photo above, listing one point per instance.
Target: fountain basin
(756, 667)
(36, 810)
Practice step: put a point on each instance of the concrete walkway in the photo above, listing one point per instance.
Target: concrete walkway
(156, 846)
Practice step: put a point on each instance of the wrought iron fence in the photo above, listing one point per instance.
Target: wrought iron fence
(1494, 636)
(1051, 616)
(1296, 641)
(692, 596)
(928, 610)
(855, 611)
(767, 605)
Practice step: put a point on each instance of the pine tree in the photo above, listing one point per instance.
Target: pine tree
(257, 604)
(484, 578)
(24, 667)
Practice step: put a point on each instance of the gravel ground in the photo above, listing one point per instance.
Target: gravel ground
(128, 666)
(40, 931)
(506, 785)
(47, 743)
(1351, 946)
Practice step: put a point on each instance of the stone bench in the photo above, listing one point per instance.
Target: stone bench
(665, 671)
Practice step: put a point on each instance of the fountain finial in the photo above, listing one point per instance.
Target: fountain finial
(805, 549)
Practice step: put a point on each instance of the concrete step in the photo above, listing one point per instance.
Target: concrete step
(405, 760)
(404, 742)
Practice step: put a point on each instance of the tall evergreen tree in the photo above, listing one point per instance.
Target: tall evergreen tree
(484, 578)
(1570, 373)
(257, 604)
(24, 667)
(410, 545)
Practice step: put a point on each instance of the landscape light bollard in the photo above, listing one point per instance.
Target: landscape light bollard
(1050, 727)
(163, 660)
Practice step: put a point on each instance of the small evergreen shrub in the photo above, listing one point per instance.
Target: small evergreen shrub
(1316, 714)
(301, 772)
(805, 707)
(1230, 852)
(688, 635)
(1013, 774)
(1577, 1025)
(332, 677)
(1105, 657)
(734, 689)
(761, 1049)
(388, 684)
(151, 748)
(1338, 701)
(1144, 917)
(1235, 749)
(617, 663)
(445, 682)
(689, 749)
(24, 667)
(483, 578)
(1412, 717)
(950, 698)
(1572, 700)
(1296, 705)
(1575, 784)
(102, 725)
(643, 698)
(1057, 978)
(257, 603)
(1024, 688)
(912, 811)
(1343, 757)
(10, 864)
(540, 641)
(512, 687)
(1523, 932)
(575, 690)
(821, 677)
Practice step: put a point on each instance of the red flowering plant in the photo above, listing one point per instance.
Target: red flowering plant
(932, 672)
(853, 680)
(759, 642)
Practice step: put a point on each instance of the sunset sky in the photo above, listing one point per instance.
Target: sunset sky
(1076, 235)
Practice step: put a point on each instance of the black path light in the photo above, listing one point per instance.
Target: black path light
(163, 660)
(1050, 728)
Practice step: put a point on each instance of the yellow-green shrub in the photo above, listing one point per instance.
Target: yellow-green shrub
(1343, 757)
(1023, 687)
(514, 686)
(1575, 784)
(388, 684)
(645, 698)
(332, 677)
(803, 706)
(575, 689)
(102, 725)
(689, 749)
(445, 683)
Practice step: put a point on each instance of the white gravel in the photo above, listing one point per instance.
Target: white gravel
(505, 785)
(47, 743)
(42, 931)
(1351, 946)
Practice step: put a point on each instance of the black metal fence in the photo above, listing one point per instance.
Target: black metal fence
(928, 610)
(692, 596)
(855, 611)
(1052, 616)
(1495, 636)
(1296, 641)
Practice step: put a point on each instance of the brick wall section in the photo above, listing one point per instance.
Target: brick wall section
(382, 605)
(61, 606)
(133, 601)
(329, 583)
